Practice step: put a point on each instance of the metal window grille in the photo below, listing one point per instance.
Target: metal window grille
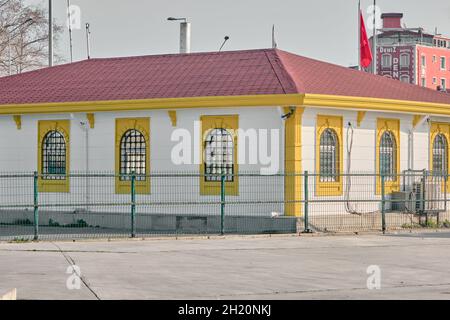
(440, 154)
(219, 154)
(388, 156)
(133, 155)
(54, 156)
(329, 156)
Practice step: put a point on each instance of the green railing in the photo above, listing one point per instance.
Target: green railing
(175, 206)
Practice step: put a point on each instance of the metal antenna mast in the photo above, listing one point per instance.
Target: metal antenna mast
(88, 40)
(70, 30)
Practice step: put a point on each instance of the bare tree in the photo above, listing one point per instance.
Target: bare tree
(23, 37)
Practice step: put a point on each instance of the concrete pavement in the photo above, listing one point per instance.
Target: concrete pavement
(413, 266)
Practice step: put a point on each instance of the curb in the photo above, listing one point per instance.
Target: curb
(11, 295)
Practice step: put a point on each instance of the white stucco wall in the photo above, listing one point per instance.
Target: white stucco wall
(19, 154)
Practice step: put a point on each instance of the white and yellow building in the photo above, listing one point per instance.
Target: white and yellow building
(119, 114)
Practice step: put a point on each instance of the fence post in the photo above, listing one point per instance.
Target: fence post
(133, 205)
(307, 230)
(383, 203)
(222, 203)
(36, 206)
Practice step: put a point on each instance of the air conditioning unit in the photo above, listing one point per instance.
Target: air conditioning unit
(421, 194)
(430, 197)
(403, 201)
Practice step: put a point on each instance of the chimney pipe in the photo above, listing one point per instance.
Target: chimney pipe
(185, 37)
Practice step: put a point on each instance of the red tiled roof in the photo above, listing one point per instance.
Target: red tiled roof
(233, 73)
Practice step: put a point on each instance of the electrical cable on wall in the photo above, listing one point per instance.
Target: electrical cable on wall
(348, 184)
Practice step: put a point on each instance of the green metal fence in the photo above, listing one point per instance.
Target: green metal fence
(175, 206)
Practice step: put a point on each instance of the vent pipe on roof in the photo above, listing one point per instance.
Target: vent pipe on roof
(185, 34)
(185, 37)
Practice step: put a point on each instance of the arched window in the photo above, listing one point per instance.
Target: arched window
(440, 152)
(405, 60)
(133, 155)
(329, 156)
(54, 156)
(386, 60)
(405, 78)
(219, 153)
(388, 156)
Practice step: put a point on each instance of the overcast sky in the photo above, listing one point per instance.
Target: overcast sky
(321, 29)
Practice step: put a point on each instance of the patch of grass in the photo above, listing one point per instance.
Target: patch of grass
(52, 223)
(18, 222)
(445, 224)
(411, 225)
(19, 240)
(431, 224)
(79, 224)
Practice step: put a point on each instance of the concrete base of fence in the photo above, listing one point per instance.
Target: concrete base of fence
(151, 223)
(8, 295)
(372, 221)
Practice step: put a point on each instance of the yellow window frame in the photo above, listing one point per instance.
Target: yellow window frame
(208, 123)
(392, 125)
(435, 129)
(44, 127)
(335, 123)
(122, 126)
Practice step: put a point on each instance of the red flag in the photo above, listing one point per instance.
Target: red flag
(366, 53)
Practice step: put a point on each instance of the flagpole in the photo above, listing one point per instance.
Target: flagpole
(374, 38)
(274, 43)
(359, 35)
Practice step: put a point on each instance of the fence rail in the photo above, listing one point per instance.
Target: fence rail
(177, 205)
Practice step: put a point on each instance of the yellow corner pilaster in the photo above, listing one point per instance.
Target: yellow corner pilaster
(293, 163)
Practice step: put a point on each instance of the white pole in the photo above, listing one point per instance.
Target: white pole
(88, 40)
(50, 33)
(185, 37)
(359, 35)
(70, 30)
(274, 43)
(374, 39)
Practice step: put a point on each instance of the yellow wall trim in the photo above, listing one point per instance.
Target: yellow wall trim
(122, 126)
(44, 127)
(319, 100)
(331, 188)
(18, 121)
(293, 163)
(360, 117)
(230, 123)
(91, 120)
(376, 104)
(435, 129)
(392, 125)
(416, 119)
(173, 117)
(148, 104)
